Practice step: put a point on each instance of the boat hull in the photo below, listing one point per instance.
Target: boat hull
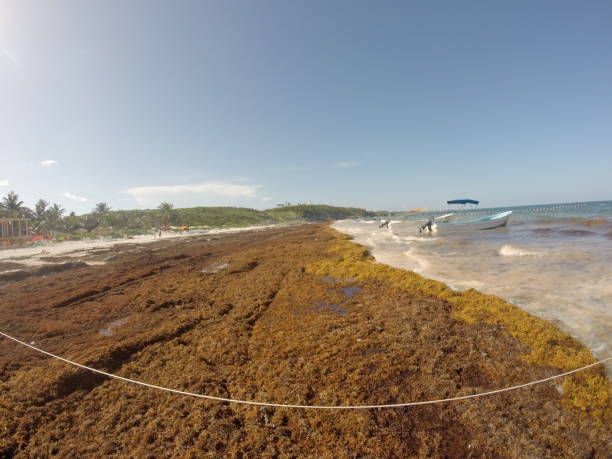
(407, 224)
(444, 218)
(490, 222)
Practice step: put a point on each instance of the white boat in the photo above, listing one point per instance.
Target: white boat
(489, 222)
(443, 218)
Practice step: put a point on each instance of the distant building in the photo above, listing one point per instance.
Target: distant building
(14, 232)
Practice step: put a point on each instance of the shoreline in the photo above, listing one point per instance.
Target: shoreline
(297, 315)
(537, 300)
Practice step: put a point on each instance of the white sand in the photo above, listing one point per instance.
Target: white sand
(31, 256)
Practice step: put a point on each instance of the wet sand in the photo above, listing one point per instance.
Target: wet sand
(255, 316)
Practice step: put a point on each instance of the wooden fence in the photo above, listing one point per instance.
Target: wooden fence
(14, 232)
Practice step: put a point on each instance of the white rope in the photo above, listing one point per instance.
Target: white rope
(316, 407)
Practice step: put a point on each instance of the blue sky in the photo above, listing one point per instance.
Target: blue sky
(384, 105)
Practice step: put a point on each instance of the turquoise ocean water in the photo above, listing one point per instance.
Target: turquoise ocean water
(553, 260)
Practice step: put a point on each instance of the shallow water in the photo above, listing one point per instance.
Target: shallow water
(108, 331)
(337, 308)
(554, 261)
(351, 291)
(215, 268)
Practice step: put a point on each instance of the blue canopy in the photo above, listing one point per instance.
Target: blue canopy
(462, 201)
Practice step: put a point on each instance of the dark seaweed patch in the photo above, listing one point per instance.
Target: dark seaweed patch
(338, 309)
(352, 291)
(577, 232)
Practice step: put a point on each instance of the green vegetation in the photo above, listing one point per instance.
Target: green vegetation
(168, 215)
(222, 217)
(312, 212)
(11, 206)
(105, 222)
(101, 212)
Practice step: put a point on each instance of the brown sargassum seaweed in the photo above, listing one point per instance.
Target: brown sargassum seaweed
(588, 391)
(296, 315)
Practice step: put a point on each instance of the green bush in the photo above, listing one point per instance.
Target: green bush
(120, 223)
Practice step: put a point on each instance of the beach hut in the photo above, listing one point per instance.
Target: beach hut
(14, 232)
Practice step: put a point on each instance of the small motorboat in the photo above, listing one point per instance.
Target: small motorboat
(489, 222)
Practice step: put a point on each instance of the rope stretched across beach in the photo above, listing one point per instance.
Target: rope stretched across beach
(317, 407)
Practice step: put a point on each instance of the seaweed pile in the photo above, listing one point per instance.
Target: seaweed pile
(296, 315)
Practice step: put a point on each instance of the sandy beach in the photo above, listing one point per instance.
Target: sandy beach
(49, 252)
(293, 315)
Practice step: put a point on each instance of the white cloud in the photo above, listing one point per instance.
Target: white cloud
(265, 199)
(3, 182)
(347, 164)
(224, 189)
(49, 163)
(74, 197)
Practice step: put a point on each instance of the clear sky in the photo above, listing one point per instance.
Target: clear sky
(378, 104)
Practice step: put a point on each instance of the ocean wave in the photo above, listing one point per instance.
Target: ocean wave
(420, 261)
(511, 251)
(419, 238)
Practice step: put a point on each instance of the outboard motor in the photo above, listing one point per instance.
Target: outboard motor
(428, 226)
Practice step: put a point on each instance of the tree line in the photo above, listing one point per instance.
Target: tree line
(51, 218)
(102, 220)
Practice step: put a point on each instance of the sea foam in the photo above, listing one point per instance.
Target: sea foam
(511, 251)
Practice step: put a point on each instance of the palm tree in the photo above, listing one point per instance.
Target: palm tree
(39, 209)
(53, 219)
(90, 223)
(102, 208)
(101, 211)
(167, 212)
(12, 207)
